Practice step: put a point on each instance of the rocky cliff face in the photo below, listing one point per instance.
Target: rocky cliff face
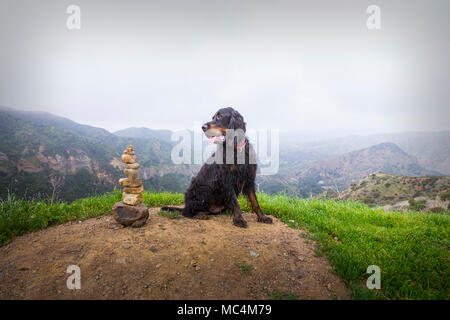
(353, 166)
(312, 177)
(37, 146)
(394, 192)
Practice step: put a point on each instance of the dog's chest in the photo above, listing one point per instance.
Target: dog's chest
(239, 175)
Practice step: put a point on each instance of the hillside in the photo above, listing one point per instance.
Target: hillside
(145, 133)
(41, 154)
(45, 119)
(313, 247)
(312, 177)
(149, 263)
(351, 167)
(400, 192)
(431, 149)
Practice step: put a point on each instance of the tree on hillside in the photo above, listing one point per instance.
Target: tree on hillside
(57, 182)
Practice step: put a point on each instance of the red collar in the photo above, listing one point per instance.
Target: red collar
(241, 145)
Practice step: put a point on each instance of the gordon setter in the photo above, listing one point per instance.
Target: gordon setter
(222, 178)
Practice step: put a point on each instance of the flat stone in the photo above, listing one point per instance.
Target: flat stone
(132, 166)
(135, 216)
(254, 254)
(299, 272)
(128, 158)
(134, 190)
(129, 150)
(131, 174)
(125, 182)
(127, 245)
(131, 199)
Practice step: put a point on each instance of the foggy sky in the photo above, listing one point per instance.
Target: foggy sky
(291, 65)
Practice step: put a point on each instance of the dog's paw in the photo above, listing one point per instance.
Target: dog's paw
(240, 222)
(265, 219)
(201, 216)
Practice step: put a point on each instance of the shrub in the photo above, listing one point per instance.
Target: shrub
(418, 205)
(417, 194)
(445, 196)
(368, 201)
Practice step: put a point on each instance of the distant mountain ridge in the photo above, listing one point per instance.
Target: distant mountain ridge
(36, 147)
(42, 118)
(145, 133)
(313, 177)
(432, 149)
(352, 166)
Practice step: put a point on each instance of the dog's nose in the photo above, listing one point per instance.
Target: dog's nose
(204, 127)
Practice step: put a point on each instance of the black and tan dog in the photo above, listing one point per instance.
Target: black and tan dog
(218, 184)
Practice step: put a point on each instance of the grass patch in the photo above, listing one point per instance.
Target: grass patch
(245, 268)
(18, 216)
(170, 214)
(281, 295)
(411, 248)
(159, 199)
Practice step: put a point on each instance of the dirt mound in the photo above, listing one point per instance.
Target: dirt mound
(167, 259)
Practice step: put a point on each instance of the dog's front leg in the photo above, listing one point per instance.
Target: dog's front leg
(256, 209)
(238, 220)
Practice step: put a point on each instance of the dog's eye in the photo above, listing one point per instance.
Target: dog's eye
(218, 117)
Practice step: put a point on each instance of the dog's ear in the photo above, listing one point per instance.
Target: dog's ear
(236, 121)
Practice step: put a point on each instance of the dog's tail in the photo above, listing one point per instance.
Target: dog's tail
(172, 209)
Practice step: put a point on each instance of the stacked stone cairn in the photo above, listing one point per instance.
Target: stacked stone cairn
(131, 211)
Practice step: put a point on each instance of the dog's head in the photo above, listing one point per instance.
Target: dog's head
(222, 121)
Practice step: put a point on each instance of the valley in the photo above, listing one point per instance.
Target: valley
(45, 156)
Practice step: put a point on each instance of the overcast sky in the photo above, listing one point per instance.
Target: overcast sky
(291, 65)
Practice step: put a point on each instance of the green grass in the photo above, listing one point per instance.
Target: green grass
(281, 295)
(245, 268)
(170, 214)
(18, 216)
(411, 248)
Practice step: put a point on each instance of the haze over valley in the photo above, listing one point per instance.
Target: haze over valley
(42, 155)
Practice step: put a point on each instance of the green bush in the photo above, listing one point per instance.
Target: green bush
(446, 195)
(437, 210)
(418, 205)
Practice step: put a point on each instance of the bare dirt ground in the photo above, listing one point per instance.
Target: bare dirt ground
(167, 259)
